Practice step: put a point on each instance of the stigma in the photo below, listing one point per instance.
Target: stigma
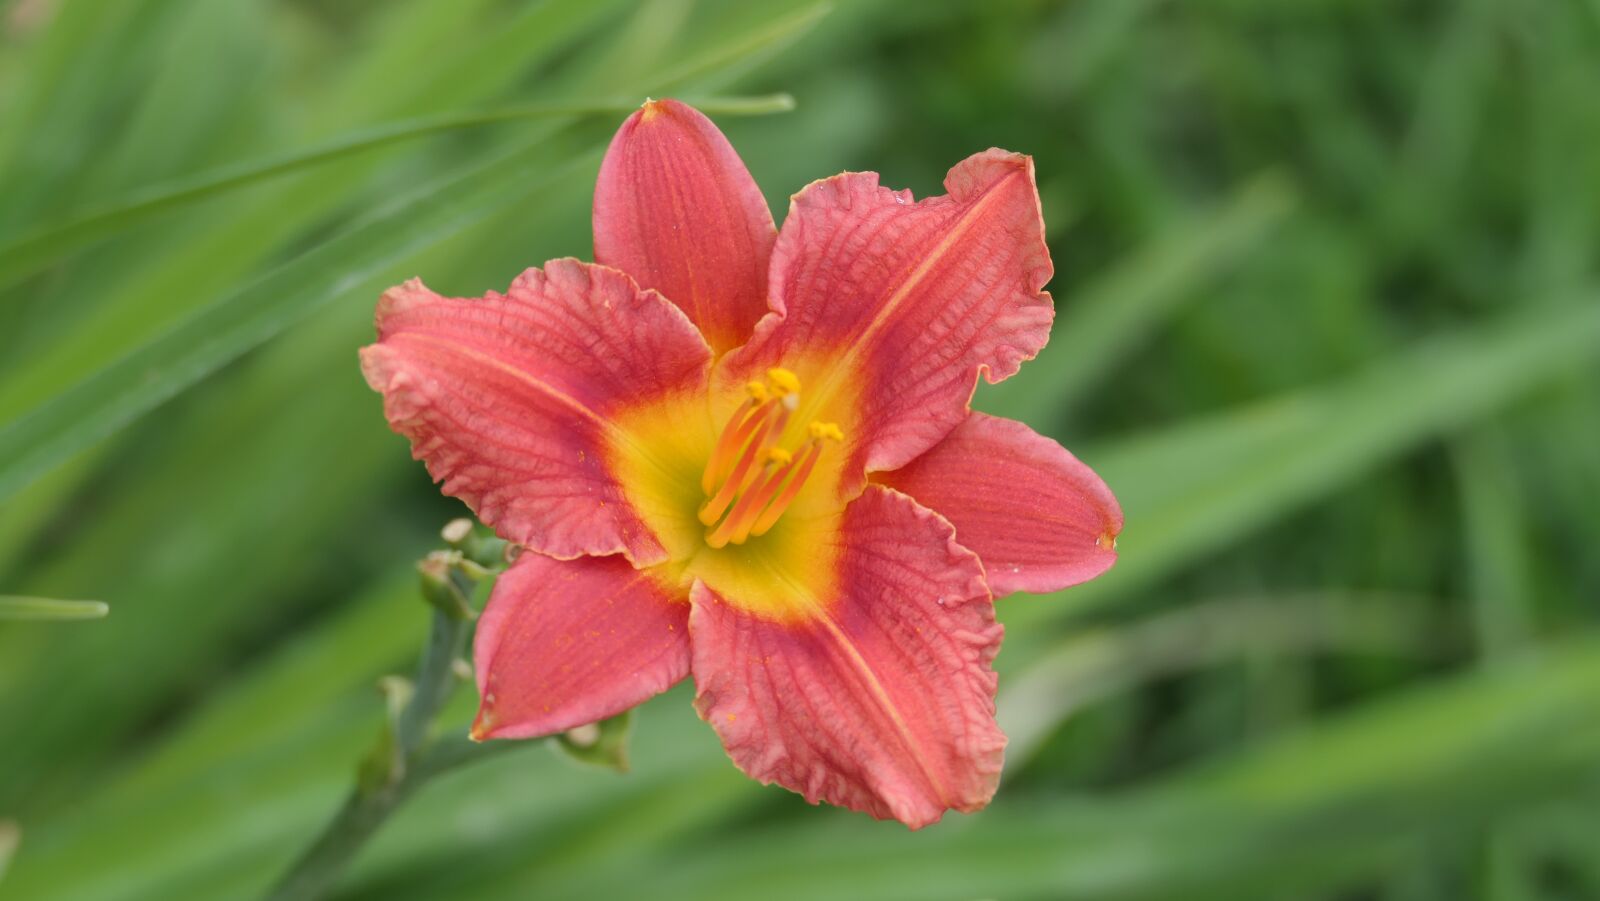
(750, 479)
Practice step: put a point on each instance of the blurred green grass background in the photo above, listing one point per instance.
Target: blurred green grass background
(1327, 323)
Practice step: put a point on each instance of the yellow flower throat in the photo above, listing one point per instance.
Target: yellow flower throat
(749, 480)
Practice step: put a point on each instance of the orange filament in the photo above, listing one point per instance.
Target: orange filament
(734, 436)
(736, 528)
(780, 503)
(754, 498)
(713, 509)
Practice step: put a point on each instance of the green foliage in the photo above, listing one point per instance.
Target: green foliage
(1329, 325)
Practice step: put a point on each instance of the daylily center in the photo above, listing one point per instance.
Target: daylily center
(750, 480)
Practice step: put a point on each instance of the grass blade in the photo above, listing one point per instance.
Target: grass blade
(1296, 812)
(23, 256)
(122, 391)
(15, 607)
(1193, 488)
(1090, 667)
(1102, 324)
(125, 389)
(10, 837)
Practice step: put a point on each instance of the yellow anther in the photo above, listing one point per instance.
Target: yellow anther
(828, 430)
(779, 456)
(784, 381)
(758, 391)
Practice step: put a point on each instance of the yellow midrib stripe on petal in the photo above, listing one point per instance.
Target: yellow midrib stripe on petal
(886, 704)
(846, 361)
(807, 602)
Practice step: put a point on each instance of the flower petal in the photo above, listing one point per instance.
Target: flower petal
(1038, 518)
(568, 642)
(883, 699)
(676, 209)
(512, 400)
(894, 308)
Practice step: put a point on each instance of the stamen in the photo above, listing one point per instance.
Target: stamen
(713, 509)
(734, 434)
(748, 480)
(802, 471)
(828, 430)
(736, 528)
(784, 381)
(780, 419)
(820, 432)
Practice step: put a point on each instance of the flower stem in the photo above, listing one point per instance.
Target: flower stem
(405, 758)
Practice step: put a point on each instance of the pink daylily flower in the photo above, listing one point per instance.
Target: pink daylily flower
(747, 455)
